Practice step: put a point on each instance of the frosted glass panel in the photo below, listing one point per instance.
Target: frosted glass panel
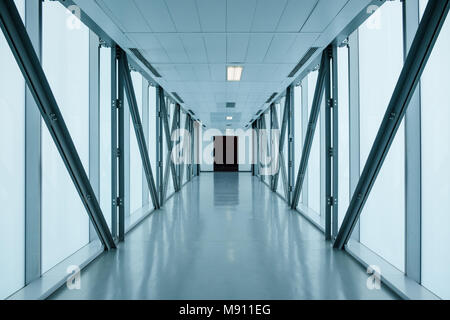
(136, 172)
(12, 170)
(435, 168)
(297, 128)
(65, 224)
(343, 134)
(152, 145)
(105, 133)
(313, 182)
(383, 217)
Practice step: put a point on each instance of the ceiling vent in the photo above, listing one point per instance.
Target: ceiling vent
(177, 97)
(231, 105)
(271, 97)
(302, 62)
(141, 58)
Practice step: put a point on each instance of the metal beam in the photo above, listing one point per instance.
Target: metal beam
(128, 85)
(421, 48)
(169, 143)
(281, 164)
(315, 110)
(169, 162)
(283, 131)
(28, 61)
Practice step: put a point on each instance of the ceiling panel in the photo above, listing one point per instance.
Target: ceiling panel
(156, 14)
(240, 15)
(216, 47)
(174, 48)
(258, 46)
(126, 15)
(184, 15)
(212, 15)
(190, 42)
(195, 47)
(295, 15)
(237, 47)
(267, 15)
(279, 47)
(323, 15)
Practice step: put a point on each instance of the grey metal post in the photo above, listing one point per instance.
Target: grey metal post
(137, 123)
(94, 119)
(115, 103)
(328, 151)
(28, 61)
(159, 149)
(121, 152)
(290, 137)
(335, 141)
(421, 48)
(413, 147)
(33, 157)
(315, 110)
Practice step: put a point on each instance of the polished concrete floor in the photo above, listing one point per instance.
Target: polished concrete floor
(225, 236)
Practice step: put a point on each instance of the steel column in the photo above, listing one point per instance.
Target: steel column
(33, 20)
(335, 141)
(315, 110)
(328, 150)
(291, 145)
(28, 61)
(413, 147)
(421, 48)
(159, 149)
(134, 111)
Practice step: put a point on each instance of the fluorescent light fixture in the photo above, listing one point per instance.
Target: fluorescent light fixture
(234, 73)
(229, 118)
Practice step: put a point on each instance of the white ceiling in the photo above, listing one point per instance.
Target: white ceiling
(190, 42)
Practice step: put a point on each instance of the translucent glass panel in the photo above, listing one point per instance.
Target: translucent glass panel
(343, 134)
(298, 130)
(435, 168)
(314, 167)
(381, 61)
(136, 172)
(105, 133)
(12, 170)
(280, 112)
(152, 143)
(183, 144)
(65, 224)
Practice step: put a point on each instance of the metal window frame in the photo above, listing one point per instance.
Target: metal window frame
(168, 134)
(421, 48)
(137, 123)
(324, 72)
(28, 61)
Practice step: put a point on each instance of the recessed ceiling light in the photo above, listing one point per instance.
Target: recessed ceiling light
(229, 118)
(234, 73)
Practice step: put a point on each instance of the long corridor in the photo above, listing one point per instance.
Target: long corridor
(224, 236)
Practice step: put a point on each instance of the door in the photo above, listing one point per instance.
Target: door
(225, 154)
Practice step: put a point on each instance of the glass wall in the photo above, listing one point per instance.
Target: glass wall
(136, 169)
(152, 141)
(383, 218)
(65, 58)
(435, 169)
(343, 134)
(12, 169)
(314, 163)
